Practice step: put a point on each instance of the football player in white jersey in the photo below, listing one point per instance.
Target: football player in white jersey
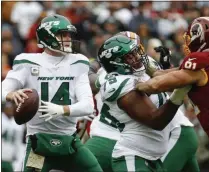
(60, 76)
(104, 136)
(116, 110)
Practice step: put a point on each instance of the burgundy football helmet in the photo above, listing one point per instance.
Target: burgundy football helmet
(197, 36)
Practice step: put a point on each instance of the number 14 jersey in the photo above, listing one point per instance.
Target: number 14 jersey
(57, 80)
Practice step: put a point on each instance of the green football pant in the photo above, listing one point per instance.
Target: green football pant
(102, 149)
(136, 164)
(80, 161)
(6, 166)
(181, 153)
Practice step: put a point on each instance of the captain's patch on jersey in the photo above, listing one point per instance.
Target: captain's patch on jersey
(34, 71)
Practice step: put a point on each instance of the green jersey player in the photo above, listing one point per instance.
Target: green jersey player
(60, 76)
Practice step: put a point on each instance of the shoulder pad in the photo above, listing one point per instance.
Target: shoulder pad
(117, 86)
(79, 63)
(196, 61)
(79, 59)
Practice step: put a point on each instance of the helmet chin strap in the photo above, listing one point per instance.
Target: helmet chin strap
(50, 48)
(202, 46)
(58, 51)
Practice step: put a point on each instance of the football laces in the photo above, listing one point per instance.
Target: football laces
(19, 106)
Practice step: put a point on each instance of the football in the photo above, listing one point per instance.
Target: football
(24, 112)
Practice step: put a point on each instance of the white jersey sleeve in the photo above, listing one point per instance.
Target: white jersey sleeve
(9, 85)
(85, 104)
(19, 71)
(79, 64)
(16, 78)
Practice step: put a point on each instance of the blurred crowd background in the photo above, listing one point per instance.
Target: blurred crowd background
(157, 23)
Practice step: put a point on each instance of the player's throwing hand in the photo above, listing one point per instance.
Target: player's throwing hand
(18, 96)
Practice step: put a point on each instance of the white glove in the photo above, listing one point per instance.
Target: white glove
(52, 110)
(178, 95)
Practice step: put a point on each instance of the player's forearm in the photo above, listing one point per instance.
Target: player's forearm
(166, 82)
(155, 85)
(82, 108)
(162, 116)
(144, 111)
(163, 72)
(9, 85)
(85, 104)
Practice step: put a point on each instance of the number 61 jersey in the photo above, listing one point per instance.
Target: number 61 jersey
(199, 93)
(56, 79)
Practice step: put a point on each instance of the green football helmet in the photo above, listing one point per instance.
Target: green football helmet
(122, 55)
(52, 26)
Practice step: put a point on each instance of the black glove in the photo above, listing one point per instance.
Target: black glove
(164, 56)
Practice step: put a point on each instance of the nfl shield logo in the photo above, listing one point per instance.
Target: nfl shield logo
(34, 71)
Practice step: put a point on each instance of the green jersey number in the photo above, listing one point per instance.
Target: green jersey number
(108, 119)
(61, 97)
(111, 79)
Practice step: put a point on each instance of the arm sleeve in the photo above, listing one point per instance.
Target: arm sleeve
(85, 104)
(15, 79)
(19, 72)
(9, 85)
